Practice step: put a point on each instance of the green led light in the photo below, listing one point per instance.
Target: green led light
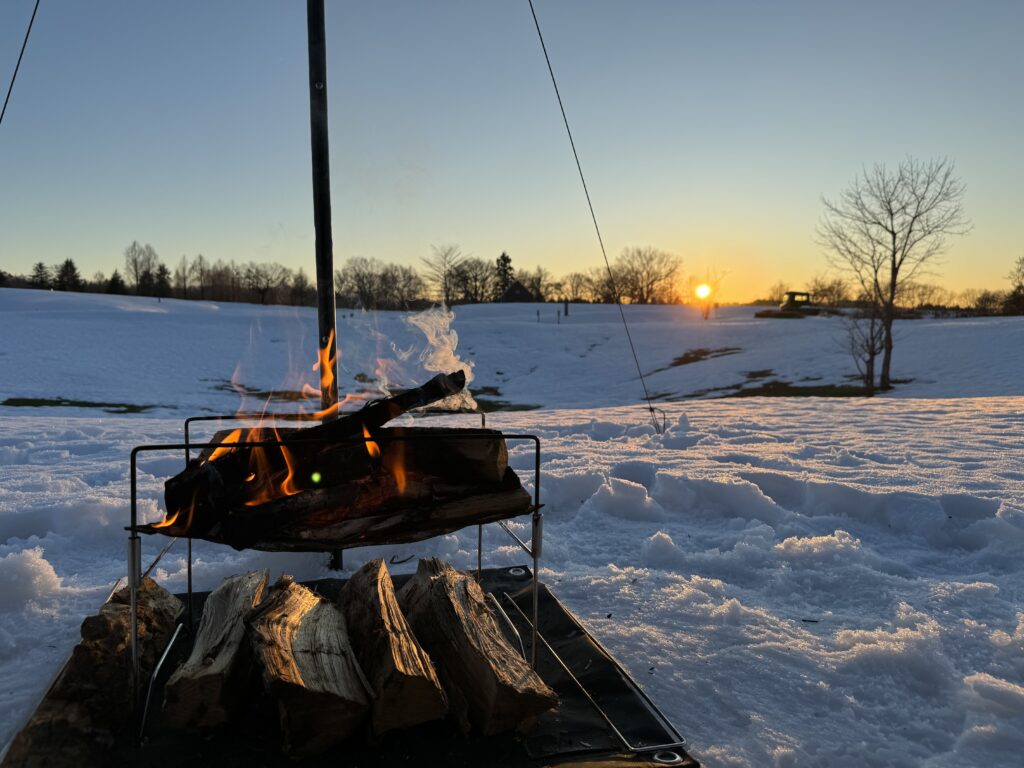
(316, 477)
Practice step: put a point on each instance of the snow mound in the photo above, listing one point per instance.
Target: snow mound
(26, 577)
(626, 500)
(838, 547)
(659, 551)
(680, 435)
(994, 695)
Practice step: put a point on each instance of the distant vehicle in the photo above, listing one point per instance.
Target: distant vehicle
(796, 304)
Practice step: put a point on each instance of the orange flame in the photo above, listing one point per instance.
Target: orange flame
(371, 446)
(220, 450)
(167, 522)
(326, 364)
(395, 462)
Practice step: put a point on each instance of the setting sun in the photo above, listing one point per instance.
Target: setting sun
(703, 291)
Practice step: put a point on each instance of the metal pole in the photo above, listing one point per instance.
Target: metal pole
(326, 310)
(134, 582)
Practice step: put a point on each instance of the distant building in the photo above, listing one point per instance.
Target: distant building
(517, 292)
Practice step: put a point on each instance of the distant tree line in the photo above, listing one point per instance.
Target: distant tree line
(640, 275)
(912, 297)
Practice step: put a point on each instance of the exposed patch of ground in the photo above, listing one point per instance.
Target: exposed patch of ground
(696, 355)
(483, 396)
(785, 389)
(275, 395)
(63, 402)
(775, 388)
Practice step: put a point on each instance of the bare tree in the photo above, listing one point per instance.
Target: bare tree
(888, 227)
(536, 281)
(440, 268)
(360, 278)
(199, 274)
(647, 275)
(602, 287)
(777, 293)
(865, 339)
(301, 291)
(1016, 275)
(828, 291)
(402, 285)
(140, 262)
(264, 278)
(475, 280)
(574, 286)
(181, 278)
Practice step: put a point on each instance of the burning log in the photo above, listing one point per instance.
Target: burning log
(488, 683)
(233, 474)
(408, 484)
(307, 663)
(405, 685)
(390, 485)
(205, 690)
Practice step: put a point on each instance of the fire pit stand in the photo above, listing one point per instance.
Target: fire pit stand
(533, 549)
(636, 730)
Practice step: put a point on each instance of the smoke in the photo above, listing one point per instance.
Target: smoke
(430, 348)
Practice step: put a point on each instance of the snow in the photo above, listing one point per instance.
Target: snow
(795, 581)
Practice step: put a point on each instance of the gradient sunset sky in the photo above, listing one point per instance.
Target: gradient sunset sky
(708, 129)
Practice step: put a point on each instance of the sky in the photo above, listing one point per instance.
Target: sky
(707, 129)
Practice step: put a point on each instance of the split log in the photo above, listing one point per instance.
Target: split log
(484, 676)
(307, 664)
(405, 686)
(206, 689)
(435, 482)
(88, 707)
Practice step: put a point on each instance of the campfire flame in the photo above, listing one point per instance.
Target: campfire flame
(371, 446)
(395, 463)
(221, 450)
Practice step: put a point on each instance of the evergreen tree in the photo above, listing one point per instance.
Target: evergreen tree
(40, 277)
(116, 284)
(4, 277)
(162, 281)
(67, 277)
(505, 273)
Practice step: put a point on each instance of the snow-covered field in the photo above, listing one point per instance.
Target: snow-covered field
(795, 581)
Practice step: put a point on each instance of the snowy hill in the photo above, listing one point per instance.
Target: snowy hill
(795, 581)
(183, 355)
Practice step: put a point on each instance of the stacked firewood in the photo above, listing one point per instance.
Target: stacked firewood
(371, 662)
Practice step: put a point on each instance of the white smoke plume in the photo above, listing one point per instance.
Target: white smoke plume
(432, 350)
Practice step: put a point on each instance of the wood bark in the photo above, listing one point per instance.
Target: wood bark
(89, 705)
(306, 660)
(206, 689)
(405, 686)
(484, 676)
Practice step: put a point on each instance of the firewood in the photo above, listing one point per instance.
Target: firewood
(303, 652)
(215, 483)
(434, 483)
(405, 686)
(88, 707)
(357, 516)
(206, 688)
(498, 689)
